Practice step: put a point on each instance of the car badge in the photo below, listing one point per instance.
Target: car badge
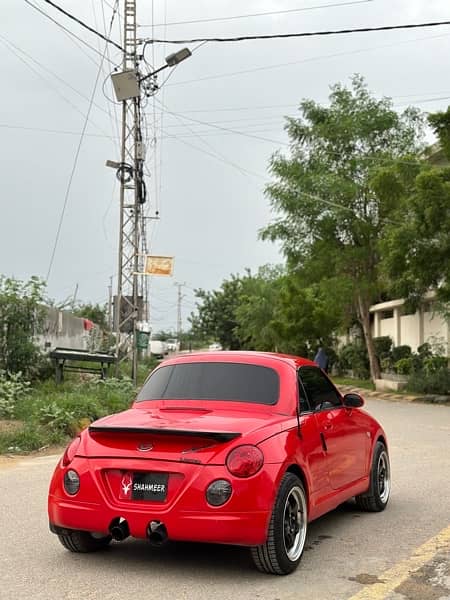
(126, 484)
(145, 447)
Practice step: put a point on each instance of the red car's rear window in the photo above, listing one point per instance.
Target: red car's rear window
(213, 381)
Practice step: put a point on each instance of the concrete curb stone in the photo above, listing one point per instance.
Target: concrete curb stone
(365, 393)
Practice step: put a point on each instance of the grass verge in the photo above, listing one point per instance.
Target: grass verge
(49, 414)
(360, 383)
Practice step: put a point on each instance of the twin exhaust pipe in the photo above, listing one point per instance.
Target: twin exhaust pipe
(156, 531)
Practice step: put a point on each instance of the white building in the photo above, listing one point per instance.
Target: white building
(425, 325)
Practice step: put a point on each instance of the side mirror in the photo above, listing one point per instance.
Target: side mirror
(353, 400)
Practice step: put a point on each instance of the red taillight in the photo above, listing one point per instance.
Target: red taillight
(70, 451)
(245, 461)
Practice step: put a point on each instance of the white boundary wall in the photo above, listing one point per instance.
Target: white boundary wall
(424, 325)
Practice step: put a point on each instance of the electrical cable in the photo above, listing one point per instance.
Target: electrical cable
(15, 49)
(218, 157)
(262, 14)
(75, 162)
(114, 121)
(256, 137)
(305, 60)
(62, 27)
(302, 34)
(69, 185)
(83, 24)
(58, 131)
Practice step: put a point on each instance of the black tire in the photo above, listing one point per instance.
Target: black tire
(377, 497)
(283, 549)
(83, 541)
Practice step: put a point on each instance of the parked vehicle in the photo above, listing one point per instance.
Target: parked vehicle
(242, 448)
(214, 347)
(173, 345)
(158, 348)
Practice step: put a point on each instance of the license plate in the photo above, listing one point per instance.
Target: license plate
(149, 486)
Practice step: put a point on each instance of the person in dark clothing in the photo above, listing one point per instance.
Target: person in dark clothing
(321, 359)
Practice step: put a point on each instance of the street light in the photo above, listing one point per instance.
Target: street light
(127, 85)
(171, 61)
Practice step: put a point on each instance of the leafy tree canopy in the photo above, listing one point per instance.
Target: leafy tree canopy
(330, 218)
(269, 311)
(97, 313)
(21, 320)
(416, 248)
(216, 316)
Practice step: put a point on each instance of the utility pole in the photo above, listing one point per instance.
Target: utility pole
(131, 303)
(129, 173)
(110, 300)
(179, 320)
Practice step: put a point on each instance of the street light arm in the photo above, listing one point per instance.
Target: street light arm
(153, 73)
(172, 61)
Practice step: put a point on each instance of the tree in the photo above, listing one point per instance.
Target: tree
(269, 311)
(216, 316)
(96, 313)
(21, 320)
(416, 248)
(329, 217)
(256, 311)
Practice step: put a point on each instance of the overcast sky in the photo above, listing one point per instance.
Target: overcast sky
(207, 179)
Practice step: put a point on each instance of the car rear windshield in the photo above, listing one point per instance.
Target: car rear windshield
(212, 381)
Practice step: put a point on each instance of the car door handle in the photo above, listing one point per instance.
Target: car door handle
(328, 426)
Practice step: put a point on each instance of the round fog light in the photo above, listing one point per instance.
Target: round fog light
(218, 492)
(71, 482)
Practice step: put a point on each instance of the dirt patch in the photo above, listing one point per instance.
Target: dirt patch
(431, 582)
(10, 426)
(10, 460)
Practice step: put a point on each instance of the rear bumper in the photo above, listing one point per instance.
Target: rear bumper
(242, 520)
(240, 529)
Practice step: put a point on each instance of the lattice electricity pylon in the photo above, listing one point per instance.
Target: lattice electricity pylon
(127, 306)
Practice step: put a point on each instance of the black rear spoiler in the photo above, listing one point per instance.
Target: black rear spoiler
(219, 436)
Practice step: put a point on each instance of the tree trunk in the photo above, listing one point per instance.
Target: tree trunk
(364, 317)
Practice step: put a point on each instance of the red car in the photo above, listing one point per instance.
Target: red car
(238, 448)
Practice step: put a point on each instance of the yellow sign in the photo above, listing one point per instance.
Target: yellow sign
(158, 265)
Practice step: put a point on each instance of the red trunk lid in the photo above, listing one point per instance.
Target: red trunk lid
(178, 433)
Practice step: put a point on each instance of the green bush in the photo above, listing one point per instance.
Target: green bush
(353, 357)
(404, 366)
(21, 318)
(400, 352)
(410, 364)
(424, 350)
(12, 388)
(52, 413)
(56, 417)
(433, 364)
(430, 383)
(30, 437)
(383, 346)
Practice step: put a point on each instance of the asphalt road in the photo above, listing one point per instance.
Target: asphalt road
(402, 553)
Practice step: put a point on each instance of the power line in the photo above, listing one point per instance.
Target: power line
(218, 157)
(114, 121)
(214, 152)
(224, 128)
(75, 162)
(261, 14)
(301, 34)
(83, 24)
(62, 27)
(69, 185)
(58, 131)
(305, 60)
(15, 50)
